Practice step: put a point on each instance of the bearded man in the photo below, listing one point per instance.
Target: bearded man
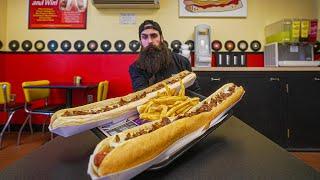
(156, 62)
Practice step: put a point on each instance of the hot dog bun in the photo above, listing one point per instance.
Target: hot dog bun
(111, 108)
(118, 153)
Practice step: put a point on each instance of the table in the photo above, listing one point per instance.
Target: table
(232, 151)
(69, 87)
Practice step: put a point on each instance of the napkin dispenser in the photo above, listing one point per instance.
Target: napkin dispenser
(202, 52)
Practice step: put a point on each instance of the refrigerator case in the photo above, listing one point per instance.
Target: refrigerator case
(285, 54)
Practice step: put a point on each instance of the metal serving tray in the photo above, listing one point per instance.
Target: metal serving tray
(174, 156)
(98, 132)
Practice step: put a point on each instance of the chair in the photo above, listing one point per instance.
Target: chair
(7, 106)
(102, 90)
(32, 96)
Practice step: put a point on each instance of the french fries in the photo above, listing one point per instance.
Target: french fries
(167, 104)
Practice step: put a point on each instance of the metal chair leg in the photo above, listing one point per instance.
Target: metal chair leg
(44, 124)
(5, 126)
(51, 134)
(9, 128)
(21, 128)
(30, 124)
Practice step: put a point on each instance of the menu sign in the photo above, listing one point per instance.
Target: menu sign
(57, 14)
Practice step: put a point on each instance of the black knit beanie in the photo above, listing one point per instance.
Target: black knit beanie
(149, 24)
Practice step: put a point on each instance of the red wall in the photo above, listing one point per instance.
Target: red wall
(19, 67)
(16, 68)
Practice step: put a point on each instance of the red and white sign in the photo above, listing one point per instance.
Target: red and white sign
(57, 14)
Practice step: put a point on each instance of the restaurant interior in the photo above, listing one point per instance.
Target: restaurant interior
(47, 67)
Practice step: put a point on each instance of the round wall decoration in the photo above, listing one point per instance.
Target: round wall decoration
(78, 45)
(229, 45)
(105, 45)
(216, 45)
(92, 45)
(134, 45)
(255, 45)
(166, 43)
(190, 43)
(316, 46)
(14, 45)
(39, 45)
(65, 45)
(119, 45)
(26, 45)
(52, 45)
(242, 45)
(175, 45)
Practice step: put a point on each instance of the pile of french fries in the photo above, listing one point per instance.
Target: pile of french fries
(167, 104)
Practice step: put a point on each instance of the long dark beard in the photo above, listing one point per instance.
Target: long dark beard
(154, 58)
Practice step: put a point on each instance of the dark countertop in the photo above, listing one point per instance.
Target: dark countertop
(234, 150)
(259, 69)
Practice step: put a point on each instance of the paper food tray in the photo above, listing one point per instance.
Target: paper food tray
(165, 155)
(72, 130)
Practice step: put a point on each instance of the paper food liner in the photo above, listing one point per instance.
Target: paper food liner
(131, 172)
(72, 130)
(67, 131)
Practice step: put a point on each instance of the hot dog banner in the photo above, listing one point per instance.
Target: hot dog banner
(57, 14)
(212, 8)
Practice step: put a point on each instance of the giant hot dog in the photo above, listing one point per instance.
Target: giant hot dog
(143, 143)
(212, 5)
(112, 108)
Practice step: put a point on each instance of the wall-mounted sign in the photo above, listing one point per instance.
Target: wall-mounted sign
(213, 8)
(57, 14)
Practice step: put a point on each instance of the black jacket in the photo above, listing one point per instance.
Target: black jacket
(140, 79)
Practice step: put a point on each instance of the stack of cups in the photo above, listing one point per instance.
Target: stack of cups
(184, 51)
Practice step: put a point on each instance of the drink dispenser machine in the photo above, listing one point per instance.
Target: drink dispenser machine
(202, 46)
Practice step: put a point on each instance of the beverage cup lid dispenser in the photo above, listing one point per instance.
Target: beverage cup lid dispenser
(203, 52)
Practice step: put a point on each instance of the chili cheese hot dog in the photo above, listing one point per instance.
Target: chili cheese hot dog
(112, 108)
(143, 143)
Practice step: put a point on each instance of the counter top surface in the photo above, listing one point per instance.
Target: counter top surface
(257, 69)
(233, 150)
